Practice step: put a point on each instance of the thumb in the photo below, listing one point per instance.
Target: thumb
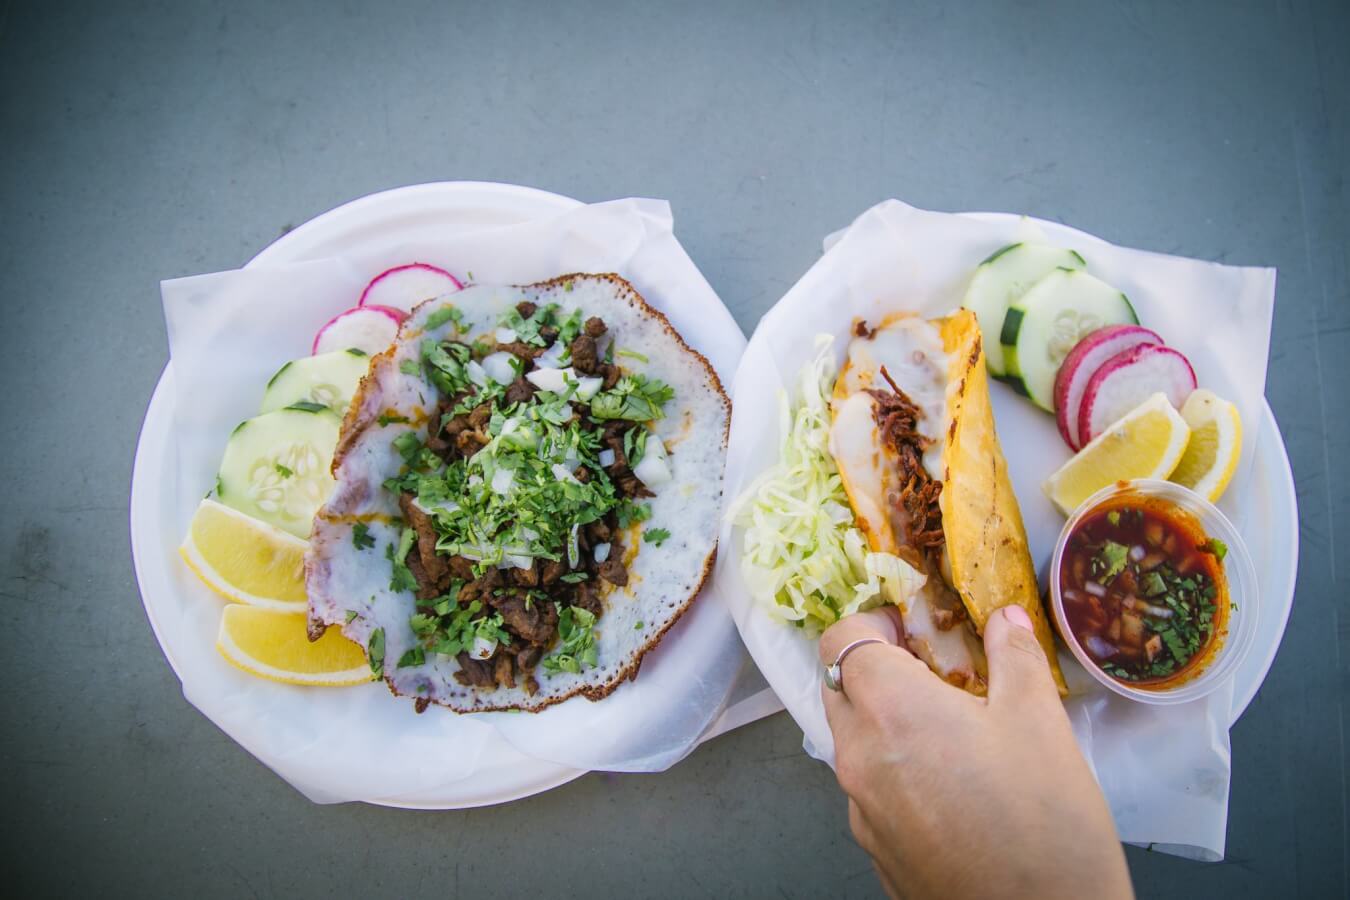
(1018, 671)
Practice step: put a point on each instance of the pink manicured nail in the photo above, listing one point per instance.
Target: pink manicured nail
(1016, 615)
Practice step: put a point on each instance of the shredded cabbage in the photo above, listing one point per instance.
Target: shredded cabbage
(804, 558)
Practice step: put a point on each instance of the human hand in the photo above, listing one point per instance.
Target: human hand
(955, 795)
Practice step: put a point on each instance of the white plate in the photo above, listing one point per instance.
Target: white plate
(391, 216)
(1268, 520)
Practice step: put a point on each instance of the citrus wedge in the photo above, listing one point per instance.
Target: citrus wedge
(1212, 455)
(1147, 443)
(273, 644)
(244, 559)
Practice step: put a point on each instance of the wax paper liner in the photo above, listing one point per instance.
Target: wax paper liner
(1165, 771)
(229, 331)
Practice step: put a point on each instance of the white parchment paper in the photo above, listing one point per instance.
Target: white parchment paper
(229, 331)
(897, 257)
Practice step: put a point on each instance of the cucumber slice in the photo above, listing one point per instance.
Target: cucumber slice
(276, 466)
(1001, 280)
(1045, 323)
(328, 379)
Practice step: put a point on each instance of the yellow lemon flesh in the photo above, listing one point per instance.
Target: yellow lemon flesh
(1212, 455)
(273, 644)
(244, 559)
(1147, 443)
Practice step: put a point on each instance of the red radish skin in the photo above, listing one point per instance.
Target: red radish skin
(403, 287)
(370, 329)
(1082, 363)
(1128, 379)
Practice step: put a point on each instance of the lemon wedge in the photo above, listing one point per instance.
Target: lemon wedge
(1212, 455)
(273, 644)
(1147, 443)
(244, 559)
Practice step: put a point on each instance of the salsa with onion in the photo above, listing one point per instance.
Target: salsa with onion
(1144, 592)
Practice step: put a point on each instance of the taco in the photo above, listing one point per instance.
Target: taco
(528, 484)
(912, 433)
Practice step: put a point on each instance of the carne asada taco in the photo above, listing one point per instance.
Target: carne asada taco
(912, 433)
(528, 484)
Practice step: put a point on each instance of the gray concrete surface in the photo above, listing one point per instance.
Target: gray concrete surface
(140, 141)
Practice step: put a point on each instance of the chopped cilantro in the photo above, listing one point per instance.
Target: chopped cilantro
(636, 398)
(655, 536)
(402, 579)
(447, 313)
(630, 512)
(388, 419)
(282, 470)
(375, 650)
(407, 444)
(410, 367)
(361, 536)
(632, 354)
(574, 577)
(351, 614)
(639, 625)
(1110, 562)
(415, 656)
(1113, 517)
(576, 642)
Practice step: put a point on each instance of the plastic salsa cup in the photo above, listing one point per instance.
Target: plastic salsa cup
(1231, 643)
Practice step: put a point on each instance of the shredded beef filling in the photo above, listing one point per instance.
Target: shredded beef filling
(897, 418)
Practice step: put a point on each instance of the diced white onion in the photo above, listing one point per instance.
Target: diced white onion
(1094, 589)
(1100, 648)
(482, 647)
(652, 471)
(553, 380)
(528, 533)
(588, 386)
(1137, 552)
(607, 458)
(552, 357)
(500, 367)
(601, 552)
(561, 473)
(654, 447)
(506, 336)
(502, 480)
(477, 374)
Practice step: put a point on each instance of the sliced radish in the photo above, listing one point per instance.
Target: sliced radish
(370, 329)
(1128, 379)
(1082, 363)
(403, 287)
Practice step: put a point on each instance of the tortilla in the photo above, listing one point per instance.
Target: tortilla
(987, 549)
(931, 485)
(349, 587)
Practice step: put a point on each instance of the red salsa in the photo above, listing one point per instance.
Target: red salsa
(1144, 592)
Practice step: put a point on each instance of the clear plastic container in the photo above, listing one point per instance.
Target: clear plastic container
(1237, 569)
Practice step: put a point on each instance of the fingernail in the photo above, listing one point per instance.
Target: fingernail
(1016, 615)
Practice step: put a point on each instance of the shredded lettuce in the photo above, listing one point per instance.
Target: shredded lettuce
(804, 559)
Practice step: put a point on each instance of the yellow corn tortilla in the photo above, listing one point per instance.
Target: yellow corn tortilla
(986, 542)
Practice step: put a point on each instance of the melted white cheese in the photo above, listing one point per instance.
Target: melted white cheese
(910, 349)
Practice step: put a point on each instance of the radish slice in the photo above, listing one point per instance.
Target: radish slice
(1128, 379)
(370, 329)
(403, 287)
(1082, 363)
